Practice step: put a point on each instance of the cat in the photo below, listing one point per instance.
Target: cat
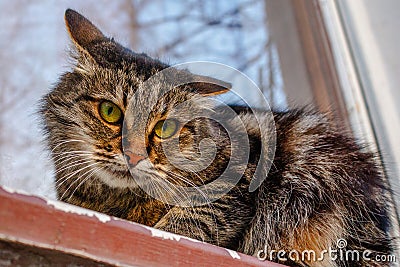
(322, 186)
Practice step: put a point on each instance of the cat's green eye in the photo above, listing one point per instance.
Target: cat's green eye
(166, 128)
(110, 112)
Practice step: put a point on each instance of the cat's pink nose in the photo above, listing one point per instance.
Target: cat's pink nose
(132, 158)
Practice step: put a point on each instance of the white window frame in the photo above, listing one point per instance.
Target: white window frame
(365, 86)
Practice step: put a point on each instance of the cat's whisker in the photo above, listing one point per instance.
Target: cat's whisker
(61, 162)
(194, 209)
(171, 188)
(72, 152)
(66, 142)
(79, 177)
(69, 160)
(61, 156)
(74, 173)
(73, 164)
(88, 176)
(64, 158)
(174, 191)
(188, 182)
(174, 186)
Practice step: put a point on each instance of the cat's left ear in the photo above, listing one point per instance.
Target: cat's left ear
(92, 43)
(83, 33)
(208, 86)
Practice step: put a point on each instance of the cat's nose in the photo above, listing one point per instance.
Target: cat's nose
(132, 158)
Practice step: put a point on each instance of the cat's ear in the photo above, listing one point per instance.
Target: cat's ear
(208, 86)
(83, 33)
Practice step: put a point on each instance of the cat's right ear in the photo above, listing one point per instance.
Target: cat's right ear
(209, 86)
(82, 32)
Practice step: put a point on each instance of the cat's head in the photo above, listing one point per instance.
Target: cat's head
(86, 111)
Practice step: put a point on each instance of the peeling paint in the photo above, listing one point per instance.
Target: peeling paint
(163, 234)
(167, 235)
(233, 254)
(15, 191)
(192, 240)
(62, 205)
(78, 210)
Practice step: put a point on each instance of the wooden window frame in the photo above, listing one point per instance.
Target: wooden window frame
(306, 57)
(32, 228)
(331, 80)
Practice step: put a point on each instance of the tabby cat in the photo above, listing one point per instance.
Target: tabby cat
(322, 186)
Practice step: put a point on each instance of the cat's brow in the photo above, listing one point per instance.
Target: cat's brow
(85, 98)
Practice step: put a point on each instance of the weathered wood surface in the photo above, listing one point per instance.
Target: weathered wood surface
(15, 254)
(58, 234)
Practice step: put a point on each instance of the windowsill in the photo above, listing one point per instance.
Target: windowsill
(59, 232)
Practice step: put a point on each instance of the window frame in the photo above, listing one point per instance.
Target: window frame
(333, 80)
(39, 225)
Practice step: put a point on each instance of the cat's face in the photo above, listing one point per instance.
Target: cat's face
(107, 106)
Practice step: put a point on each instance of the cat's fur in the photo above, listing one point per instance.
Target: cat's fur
(321, 186)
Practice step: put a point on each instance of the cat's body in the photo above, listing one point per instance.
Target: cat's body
(321, 186)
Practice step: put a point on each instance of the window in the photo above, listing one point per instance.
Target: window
(370, 31)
